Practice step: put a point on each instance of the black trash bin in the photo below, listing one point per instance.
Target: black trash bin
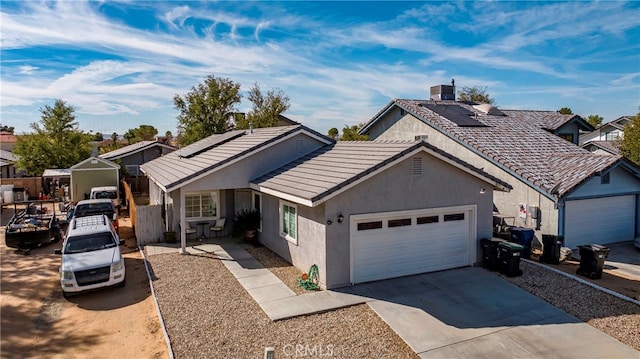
(522, 236)
(592, 258)
(509, 257)
(490, 253)
(551, 245)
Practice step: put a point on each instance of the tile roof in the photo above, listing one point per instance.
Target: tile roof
(609, 146)
(131, 149)
(519, 144)
(317, 176)
(173, 169)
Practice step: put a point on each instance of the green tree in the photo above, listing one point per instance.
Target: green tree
(142, 133)
(475, 94)
(595, 120)
(55, 143)
(266, 108)
(350, 133)
(333, 133)
(204, 110)
(565, 111)
(98, 137)
(630, 144)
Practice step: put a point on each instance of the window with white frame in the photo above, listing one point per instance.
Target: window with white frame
(289, 222)
(201, 205)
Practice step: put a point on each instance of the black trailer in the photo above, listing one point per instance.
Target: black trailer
(32, 226)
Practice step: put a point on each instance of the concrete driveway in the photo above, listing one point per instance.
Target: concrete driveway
(624, 258)
(471, 312)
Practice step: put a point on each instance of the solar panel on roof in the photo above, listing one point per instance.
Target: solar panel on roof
(455, 113)
(208, 143)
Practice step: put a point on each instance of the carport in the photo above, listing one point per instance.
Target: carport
(92, 172)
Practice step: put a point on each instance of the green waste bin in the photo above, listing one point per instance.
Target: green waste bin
(509, 257)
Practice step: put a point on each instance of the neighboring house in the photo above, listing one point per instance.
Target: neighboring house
(7, 165)
(7, 141)
(132, 156)
(92, 172)
(602, 147)
(559, 188)
(361, 211)
(610, 131)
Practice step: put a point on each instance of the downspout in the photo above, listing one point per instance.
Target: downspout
(561, 217)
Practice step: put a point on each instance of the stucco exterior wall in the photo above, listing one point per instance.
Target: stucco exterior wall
(620, 182)
(570, 128)
(397, 189)
(507, 203)
(311, 247)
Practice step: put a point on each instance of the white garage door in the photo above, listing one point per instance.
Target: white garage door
(395, 244)
(599, 220)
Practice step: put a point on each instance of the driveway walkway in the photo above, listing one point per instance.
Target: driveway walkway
(471, 312)
(460, 313)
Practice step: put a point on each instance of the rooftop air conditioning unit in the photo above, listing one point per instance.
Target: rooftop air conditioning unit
(443, 92)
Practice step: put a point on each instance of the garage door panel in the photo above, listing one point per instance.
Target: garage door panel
(404, 250)
(599, 220)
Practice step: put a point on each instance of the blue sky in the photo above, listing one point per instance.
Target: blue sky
(120, 63)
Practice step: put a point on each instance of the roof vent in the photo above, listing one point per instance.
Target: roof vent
(443, 92)
(488, 109)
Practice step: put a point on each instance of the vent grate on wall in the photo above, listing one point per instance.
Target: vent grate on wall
(417, 166)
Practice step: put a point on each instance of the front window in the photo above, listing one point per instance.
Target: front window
(611, 136)
(201, 205)
(567, 136)
(289, 222)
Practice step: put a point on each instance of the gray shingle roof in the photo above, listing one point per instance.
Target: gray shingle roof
(8, 156)
(519, 143)
(172, 170)
(130, 149)
(315, 177)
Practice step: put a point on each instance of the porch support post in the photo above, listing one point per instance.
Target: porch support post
(183, 222)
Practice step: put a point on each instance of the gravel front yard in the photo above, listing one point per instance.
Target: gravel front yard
(616, 317)
(208, 314)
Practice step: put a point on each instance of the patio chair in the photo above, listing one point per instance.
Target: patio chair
(188, 230)
(218, 227)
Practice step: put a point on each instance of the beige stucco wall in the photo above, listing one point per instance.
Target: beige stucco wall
(394, 189)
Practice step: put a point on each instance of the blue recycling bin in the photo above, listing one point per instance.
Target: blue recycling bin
(522, 236)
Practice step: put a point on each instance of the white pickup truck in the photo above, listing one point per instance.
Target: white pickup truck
(91, 257)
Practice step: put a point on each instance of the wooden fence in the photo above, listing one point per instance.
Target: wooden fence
(145, 219)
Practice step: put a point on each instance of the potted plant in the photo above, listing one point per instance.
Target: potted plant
(246, 224)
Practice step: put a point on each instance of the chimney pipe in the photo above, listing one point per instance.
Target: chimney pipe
(250, 127)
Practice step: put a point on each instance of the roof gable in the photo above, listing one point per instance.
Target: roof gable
(93, 162)
(331, 170)
(133, 148)
(216, 152)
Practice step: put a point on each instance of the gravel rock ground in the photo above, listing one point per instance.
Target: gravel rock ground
(282, 269)
(208, 314)
(616, 317)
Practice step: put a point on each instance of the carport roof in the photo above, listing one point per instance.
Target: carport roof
(333, 169)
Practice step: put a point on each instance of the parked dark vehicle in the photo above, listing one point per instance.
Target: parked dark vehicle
(32, 227)
(92, 207)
